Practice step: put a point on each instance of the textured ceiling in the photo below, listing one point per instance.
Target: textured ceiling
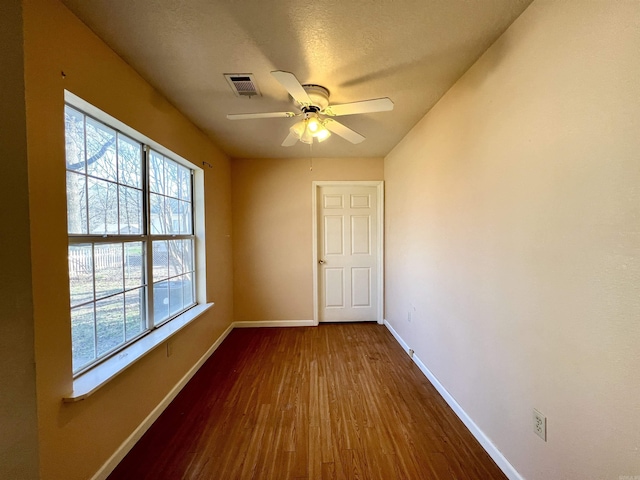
(411, 51)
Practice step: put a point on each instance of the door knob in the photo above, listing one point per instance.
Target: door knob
(321, 262)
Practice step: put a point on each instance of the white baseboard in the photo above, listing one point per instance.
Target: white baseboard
(398, 338)
(275, 323)
(486, 443)
(128, 444)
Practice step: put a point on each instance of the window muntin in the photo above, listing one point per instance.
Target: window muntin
(124, 230)
(170, 196)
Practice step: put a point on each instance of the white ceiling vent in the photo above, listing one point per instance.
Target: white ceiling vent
(242, 84)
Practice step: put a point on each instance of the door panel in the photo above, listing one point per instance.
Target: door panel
(361, 287)
(333, 235)
(360, 235)
(334, 287)
(348, 254)
(333, 201)
(360, 201)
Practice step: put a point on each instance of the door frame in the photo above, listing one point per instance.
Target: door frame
(380, 231)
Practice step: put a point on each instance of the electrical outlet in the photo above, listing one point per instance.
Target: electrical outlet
(411, 352)
(540, 424)
(409, 316)
(169, 349)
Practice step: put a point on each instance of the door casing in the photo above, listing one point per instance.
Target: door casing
(316, 185)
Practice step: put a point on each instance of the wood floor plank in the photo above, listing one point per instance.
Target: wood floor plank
(338, 401)
(315, 457)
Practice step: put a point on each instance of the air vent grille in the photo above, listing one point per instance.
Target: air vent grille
(242, 84)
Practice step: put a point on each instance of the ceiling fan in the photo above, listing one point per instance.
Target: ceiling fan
(317, 115)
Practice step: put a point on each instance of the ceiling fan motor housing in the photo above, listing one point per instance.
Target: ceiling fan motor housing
(319, 96)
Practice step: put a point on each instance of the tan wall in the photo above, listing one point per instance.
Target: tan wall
(512, 226)
(76, 439)
(272, 224)
(18, 416)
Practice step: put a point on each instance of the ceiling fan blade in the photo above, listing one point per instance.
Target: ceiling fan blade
(366, 106)
(247, 116)
(291, 84)
(290, 140)
(344, 132)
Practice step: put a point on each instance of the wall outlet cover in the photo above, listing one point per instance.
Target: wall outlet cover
(540, 424)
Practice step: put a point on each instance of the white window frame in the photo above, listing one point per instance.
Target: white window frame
(89, 379)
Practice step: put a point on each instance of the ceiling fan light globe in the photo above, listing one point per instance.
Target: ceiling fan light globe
(313, 124)
(307, 137)
(319, 131)
(298, 129)
(322, 135)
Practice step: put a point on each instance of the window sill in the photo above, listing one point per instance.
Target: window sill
(89, 382)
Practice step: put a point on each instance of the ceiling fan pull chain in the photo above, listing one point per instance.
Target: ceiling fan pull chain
(311, 157)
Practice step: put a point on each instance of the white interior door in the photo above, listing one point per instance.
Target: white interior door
(348, 253)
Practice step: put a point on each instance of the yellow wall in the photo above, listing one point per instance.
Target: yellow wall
(511, 235)
(76, 439)
(513, 228)
(272, 227)
(18, 416)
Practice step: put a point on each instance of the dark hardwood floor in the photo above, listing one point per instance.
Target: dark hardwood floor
(336, 401)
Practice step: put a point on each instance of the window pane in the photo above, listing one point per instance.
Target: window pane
(185, 218)
(175, 295)
(101, 150)
(74, 139)
(103, 207)
(175, 257)
(172, 215)
(156, 172)
(108, 268)
(129, 162)
(171, 178)
(130, 211)
(112, 192)
(80, 274)
(82, 336)
(133, 265)
(187, 256)
(185, 184)
(160, 301)
(160, 260)
(188, 290)
(76, 203)
(110, 323)
(157, 214)
(134, 302)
